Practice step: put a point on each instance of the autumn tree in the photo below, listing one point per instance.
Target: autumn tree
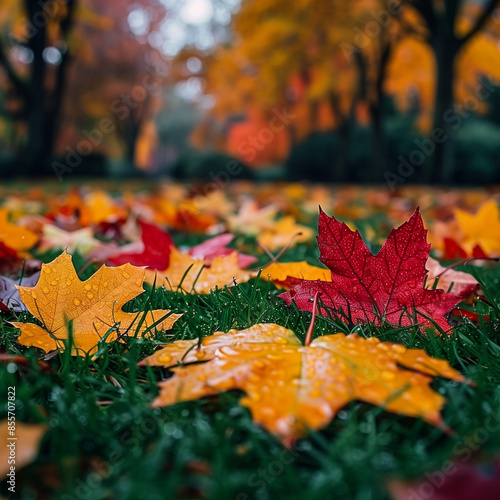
(441, 25)
(295, 55)
(285, 55)
(35, 50)
(73, 63)
(117, 76)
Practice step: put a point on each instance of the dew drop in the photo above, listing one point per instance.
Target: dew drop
(90, 295)
(165, 358)
(126, 275)
(54, 283)
(355, 289)
(45, 289)
(387, 375)
(398, 348)
(47, 270)
(105, 284)
(87, 287)
(33, 294)
(68, 282)
(274, 357)
(76, 302)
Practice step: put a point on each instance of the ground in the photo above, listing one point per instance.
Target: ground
(105, 441)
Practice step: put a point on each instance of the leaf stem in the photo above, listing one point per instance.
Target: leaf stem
(466, 261)
(313, 319)
(274, 258)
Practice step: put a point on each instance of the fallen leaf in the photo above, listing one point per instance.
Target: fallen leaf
(18, 238)
(99, 206)
(26, 445)
(21, 360)
(448, 279)
(480, 229)
(9, 294)
(155, 251)
(287, 274)
(458, 481)
(187, 274)
(94, 306)
(388, 286)
(55, 238)
(252, 220)
(291, 388)
(9, 259)
(217, 247)
(189, 218)
(285, 232)
(453, 251)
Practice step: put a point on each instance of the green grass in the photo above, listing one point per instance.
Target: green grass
(105, 442)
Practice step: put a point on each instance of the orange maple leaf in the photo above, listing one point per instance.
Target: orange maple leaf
(285, 232)
(290, 387)
(287, 274)
(93, 306)
(188, 274)
(16, 237)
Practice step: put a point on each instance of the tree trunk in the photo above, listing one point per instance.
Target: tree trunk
(340, 154)
(54, 109)
(43, 106)
(377, 112)
(440, 166)
(36, 154)
(378, 142)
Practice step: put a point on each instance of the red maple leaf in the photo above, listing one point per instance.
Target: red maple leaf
(453, 251)
(459, 481)
(156, 251)
(388, 286)
(156, 246)
(10, 261)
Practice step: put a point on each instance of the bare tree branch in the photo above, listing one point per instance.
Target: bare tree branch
(426, 10)
(481, 21)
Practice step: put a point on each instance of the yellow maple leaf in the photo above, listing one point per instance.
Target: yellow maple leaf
(93, 306)
(187, 274)
(481, 228)
(99, 206)
(15, 237)
(291, 387)
(81, 240)
(251, 219)
(285, 232)
(285, 274)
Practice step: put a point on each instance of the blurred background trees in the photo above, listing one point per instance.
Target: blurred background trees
(351, 91)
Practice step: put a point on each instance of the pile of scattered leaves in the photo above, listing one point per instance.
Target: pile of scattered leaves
(128, 316)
